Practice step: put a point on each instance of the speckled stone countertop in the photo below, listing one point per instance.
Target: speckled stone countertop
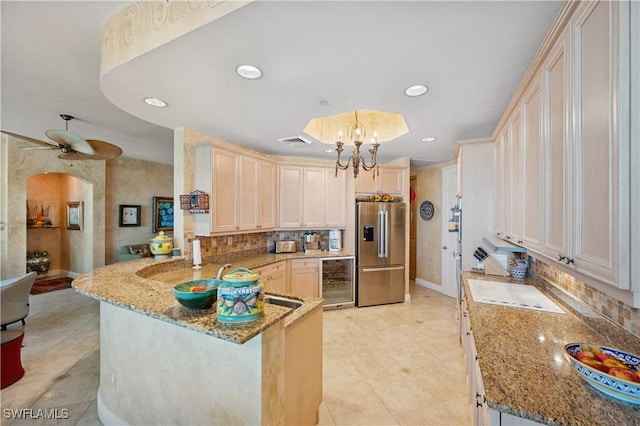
(523, 367)
(145, 286)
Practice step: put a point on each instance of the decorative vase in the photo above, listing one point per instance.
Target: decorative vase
(161, 245)
(38, 262)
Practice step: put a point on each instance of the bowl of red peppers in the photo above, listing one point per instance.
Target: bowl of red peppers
(197, 294)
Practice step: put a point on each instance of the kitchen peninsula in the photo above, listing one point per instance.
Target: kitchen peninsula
(162, 363)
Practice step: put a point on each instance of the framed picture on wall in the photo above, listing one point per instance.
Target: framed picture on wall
(74, 215)
(129, 215)
(162, 214)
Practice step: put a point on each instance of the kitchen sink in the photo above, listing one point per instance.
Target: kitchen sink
(283, 301)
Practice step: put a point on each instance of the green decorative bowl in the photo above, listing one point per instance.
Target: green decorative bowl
(202, 299)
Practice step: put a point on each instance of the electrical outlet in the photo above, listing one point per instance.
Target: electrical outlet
(113, 378)
(229, 241)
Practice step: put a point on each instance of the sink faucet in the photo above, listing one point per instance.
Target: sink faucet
(221, 270)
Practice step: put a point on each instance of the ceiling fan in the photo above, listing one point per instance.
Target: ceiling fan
(72, 145)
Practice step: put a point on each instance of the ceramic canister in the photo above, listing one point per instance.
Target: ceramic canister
(161, 245)
(240, 297)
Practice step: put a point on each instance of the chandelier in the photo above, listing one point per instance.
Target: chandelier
(357, 132)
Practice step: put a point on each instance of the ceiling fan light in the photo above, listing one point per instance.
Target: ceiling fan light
(155, 102)
(417, 90)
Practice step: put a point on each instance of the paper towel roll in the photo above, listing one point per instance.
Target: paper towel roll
(197, 256)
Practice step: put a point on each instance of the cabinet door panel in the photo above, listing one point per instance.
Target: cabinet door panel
(290, 196)
(267, 195)
(532, 143)
(391, 181)
(516, 179)
(305, 282)
(556, 199)
(247, 191)
(225, 188)
(596, 221)
(313, 197)
(336, 198)
(507, 183)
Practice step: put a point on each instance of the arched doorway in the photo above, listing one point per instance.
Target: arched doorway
(50, 198)
(16, 166)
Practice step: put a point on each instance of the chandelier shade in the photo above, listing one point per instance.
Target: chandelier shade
(356, 129)
(387, 125)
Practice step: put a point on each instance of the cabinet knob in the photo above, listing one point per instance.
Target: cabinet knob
(444, 247)
(561, 258)
(568, 260)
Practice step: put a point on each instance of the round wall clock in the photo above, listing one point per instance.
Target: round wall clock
(426, 210)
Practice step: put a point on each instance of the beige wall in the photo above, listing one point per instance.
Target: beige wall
(100, 185)
(18, 166)
(429, 233)
(133, 182)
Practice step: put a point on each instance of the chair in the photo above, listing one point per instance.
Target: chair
(14, 297)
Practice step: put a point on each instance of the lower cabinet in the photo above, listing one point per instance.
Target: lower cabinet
(305, 277)
(481, 413)
(274, 276)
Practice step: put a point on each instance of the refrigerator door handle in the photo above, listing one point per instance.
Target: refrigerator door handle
(390, 268)
(381, 234)
(386, 233)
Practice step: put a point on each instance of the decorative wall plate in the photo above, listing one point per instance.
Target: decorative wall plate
(426, 210)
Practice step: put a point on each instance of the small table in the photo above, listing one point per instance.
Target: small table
(11, 362)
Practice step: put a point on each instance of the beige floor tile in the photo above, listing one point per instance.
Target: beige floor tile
(355, 403)
(382, 364)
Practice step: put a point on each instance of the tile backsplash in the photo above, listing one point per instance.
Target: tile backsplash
(218, 245)
(620, 313)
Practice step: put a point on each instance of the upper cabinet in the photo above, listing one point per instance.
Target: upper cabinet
(312, 197)
(532, 167)
(575, 108)
(388, 181)
(600, 225)
(556, 148)
(242, 190)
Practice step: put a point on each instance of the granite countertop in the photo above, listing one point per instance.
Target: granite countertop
(521, 357)
(145, 286)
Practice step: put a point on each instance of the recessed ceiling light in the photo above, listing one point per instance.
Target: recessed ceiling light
(323, 102)
(249, 71)
(329, 150)
(158, 103)
(429, 139)
(416, 90)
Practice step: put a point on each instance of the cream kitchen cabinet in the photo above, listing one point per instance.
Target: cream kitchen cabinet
(241, 188)
(601, 145)
(388, 181)
(312, 197)
(577, 120)
(274, 276)
(532, 167)
(556, 202)
(305, 277)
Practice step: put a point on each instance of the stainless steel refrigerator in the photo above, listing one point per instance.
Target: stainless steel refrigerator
(380, 248)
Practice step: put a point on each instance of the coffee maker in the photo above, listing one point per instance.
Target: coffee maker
(335, 240)
(311, 241)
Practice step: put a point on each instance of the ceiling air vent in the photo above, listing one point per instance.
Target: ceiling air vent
(295, 141)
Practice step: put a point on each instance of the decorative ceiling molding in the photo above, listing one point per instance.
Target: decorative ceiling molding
(140, 27)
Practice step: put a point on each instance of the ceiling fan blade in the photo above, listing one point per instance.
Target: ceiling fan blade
(103, 151)
(70, 139)
(39, 148)
(32, 140)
